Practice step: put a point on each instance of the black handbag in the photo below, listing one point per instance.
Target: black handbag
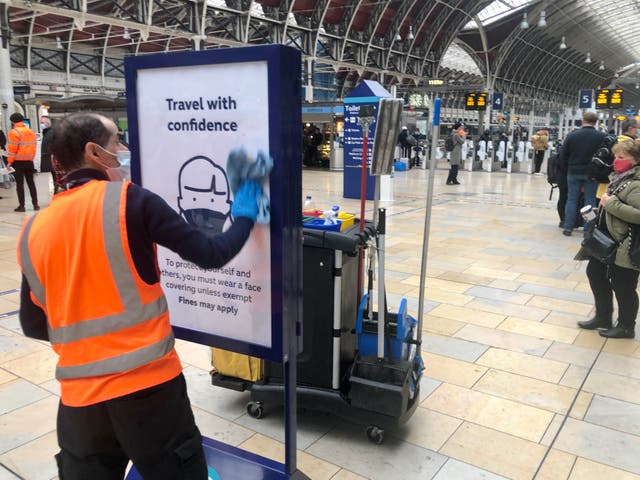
(600, 246)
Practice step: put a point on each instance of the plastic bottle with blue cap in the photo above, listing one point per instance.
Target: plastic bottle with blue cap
(331, 216)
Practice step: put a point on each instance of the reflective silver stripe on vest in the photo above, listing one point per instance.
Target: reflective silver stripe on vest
(121, 363)
(27, 266)
(110, 323)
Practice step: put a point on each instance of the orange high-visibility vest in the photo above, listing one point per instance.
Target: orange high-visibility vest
(109, 327)
(21, 144)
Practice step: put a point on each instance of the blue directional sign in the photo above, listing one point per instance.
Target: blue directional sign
(498, 101)
(585, 99)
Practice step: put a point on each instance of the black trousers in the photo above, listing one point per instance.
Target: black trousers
(24, 171)
(453, 174)
(538, 159)
(563, 193)
(154, 428)
(605, 280)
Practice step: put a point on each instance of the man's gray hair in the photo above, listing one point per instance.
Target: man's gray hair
(627, 123)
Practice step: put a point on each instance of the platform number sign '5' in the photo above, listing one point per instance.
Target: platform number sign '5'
(498, 101)
(586, 98)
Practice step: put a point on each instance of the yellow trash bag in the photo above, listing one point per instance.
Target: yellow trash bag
(237, 365)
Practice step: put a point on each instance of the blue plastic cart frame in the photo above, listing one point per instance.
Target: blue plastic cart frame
(284, 111)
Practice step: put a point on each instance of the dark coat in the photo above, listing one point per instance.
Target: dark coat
(578, 149)
(45, 151)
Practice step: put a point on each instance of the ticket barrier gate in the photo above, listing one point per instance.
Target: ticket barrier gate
(471, 163)
(529, 154)
(486, 157)
(514, 158)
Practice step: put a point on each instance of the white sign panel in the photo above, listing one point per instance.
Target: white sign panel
(189, 119)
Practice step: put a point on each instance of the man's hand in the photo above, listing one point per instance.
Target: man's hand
(245, 203)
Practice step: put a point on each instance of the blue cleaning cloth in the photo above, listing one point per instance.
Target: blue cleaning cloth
(240, 167)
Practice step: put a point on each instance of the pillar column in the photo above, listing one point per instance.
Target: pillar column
(6, 82)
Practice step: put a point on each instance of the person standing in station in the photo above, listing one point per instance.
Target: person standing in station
(21, 150)
(576, 153)
(45, 153)
(540, 143)
(458, 137)
(93, 290)
(404, 142)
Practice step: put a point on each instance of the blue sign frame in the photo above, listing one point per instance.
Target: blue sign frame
(285, 184)
(585, 99)
(498, 102)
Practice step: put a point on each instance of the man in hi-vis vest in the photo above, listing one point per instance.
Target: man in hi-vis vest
(91, 287)
(21, 150)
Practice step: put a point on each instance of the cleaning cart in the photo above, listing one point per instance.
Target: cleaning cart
(359, 364)
(337, 372)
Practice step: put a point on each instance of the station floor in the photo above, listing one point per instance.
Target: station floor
(512, 388)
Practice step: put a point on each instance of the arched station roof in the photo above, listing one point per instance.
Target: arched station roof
(397, 42)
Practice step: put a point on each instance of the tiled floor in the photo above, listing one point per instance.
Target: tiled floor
(512, 388)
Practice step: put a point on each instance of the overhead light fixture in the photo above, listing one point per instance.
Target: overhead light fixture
(524, 24)
(543, 20)
(601, 67)
(126, 35)
(410, 34)
(616, 75)
(398, 37)
(588, 59)
(59, 43)
(637, 85)
(563, 45)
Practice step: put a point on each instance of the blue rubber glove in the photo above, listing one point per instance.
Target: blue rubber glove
(245, 202)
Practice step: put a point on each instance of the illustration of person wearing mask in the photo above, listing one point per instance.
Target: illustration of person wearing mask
(204, 195)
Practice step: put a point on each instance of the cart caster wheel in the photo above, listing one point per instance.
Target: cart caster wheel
(375, 434)
(255, 409)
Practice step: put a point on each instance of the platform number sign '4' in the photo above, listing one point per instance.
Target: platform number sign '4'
(497, 101)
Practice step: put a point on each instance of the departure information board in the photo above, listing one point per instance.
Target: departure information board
(609, 98)
(476, 101)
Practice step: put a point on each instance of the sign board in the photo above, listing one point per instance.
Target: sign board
(616, 98)
(498, 102)
(435, 82)
(609, 98)
(476, 101)
(585, 98)
(180, 141)
(21, 89)
(364, 98)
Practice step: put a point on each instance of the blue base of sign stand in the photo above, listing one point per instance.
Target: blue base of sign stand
(230, 463)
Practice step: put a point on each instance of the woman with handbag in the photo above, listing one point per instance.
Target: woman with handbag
(620, 206)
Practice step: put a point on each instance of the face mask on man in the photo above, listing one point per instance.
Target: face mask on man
(117, 166)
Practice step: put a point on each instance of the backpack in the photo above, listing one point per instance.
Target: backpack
(553, 169)
(448, 144)
(601, 164)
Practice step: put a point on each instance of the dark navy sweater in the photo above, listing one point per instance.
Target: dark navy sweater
(578, 149)
(150, 220)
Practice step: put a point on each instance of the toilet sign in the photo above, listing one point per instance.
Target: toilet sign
(188, 113)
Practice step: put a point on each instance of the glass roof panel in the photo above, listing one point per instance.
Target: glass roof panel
(616, 18)
(457, 59)
(497, 10)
